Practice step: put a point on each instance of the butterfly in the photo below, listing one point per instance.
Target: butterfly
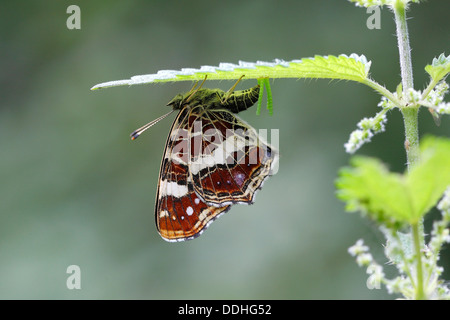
(212, 160)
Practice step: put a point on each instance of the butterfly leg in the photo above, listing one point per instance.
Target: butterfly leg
(229, 92)
(192, 91)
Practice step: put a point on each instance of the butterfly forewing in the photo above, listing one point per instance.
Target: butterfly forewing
(180, 214)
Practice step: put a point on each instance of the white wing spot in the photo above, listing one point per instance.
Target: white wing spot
(197, 201)
(221, 153)
(189, 211)
(172, 188)
(163, 214)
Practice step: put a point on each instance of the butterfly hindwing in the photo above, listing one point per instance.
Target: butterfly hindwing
(234, 161)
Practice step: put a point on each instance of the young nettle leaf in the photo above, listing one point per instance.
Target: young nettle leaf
(439, 68)
(391, 198)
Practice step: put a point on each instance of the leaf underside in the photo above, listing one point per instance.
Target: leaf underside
(354, 67)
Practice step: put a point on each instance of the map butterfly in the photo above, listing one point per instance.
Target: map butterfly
(212, 160)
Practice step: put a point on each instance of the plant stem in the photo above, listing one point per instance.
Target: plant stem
(410, 118)
(403, 45)
(416, 232)
(383, 91)
(409, 113)
(430, 87)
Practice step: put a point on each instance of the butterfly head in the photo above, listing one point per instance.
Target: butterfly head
(177, 102)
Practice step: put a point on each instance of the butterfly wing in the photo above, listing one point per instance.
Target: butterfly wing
(179, 213)
(212, 160)
(234, 160)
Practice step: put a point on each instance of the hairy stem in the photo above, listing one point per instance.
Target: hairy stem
(382, 90)
(409, 113)
(403, 45)
(410, 118)
(417, 238)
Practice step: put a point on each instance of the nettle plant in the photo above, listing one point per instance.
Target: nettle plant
(397, 202)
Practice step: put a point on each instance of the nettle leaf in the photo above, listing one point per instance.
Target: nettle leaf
(369, 187)
(392, 198)
(354, 67)
(439, 68)
(431, 177)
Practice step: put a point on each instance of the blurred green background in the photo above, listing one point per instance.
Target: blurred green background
(76, 190)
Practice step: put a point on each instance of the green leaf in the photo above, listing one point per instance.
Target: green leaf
(391, 198)
(439, 68)
(431, 177)
(354, 67)
(370, 188)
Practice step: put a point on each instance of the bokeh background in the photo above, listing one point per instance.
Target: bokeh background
(75, 190)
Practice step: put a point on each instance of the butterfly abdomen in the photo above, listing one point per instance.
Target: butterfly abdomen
(241, 100)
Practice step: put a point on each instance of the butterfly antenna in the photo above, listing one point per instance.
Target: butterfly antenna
(195, 91)
(136, 133)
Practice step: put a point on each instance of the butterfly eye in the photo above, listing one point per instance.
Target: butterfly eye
(176, 102)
